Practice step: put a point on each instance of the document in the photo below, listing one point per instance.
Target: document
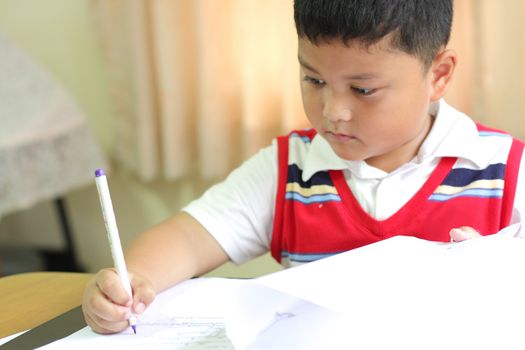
(188, 316)
(401, 293)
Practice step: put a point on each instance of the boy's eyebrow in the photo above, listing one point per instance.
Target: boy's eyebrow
(364, 76)
(306, 65)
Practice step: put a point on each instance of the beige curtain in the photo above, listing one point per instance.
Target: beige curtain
(490, 79)
(199, 85)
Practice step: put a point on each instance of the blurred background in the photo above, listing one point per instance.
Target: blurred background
(169, 96)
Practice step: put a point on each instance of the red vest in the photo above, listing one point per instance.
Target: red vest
(321, 217)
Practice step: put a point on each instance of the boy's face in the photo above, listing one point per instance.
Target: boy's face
(370, 103)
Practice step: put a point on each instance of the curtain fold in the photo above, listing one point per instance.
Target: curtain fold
(201, 85)
(176, 68)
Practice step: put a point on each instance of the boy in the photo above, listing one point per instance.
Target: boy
(386, 156)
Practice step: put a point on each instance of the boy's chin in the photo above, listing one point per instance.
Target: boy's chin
(347, 152)
(348, 156)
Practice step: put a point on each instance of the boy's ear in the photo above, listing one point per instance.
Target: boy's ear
(441, 72)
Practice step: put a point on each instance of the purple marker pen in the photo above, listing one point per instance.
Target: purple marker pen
(113, 237)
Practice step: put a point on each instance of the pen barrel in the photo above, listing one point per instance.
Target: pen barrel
(112, 232)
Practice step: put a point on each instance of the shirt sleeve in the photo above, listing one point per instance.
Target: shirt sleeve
(239, 211)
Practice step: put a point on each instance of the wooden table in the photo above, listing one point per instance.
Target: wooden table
(30, 299)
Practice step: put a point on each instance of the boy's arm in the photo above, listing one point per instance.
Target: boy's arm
(181, 247)
(175, 250)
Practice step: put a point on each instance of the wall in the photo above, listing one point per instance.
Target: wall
(60, 35)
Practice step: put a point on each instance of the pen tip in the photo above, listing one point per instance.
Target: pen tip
(134, 329)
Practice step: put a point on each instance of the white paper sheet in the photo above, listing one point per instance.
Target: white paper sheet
(188, 316)
(401, 293)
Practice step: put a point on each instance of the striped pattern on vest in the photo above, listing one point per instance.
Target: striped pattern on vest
(321, 217)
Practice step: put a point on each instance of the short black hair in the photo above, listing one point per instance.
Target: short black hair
(418, 27)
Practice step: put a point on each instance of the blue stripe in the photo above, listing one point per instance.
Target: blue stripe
(461, 177)
(316, 198)
(304, 258)
(472, 192)
(492, 133)
(295, 175)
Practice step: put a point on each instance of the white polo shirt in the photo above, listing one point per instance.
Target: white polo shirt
(239, 212)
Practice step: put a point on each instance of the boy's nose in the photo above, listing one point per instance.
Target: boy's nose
(336, 109)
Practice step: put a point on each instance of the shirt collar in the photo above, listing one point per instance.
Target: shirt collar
(453, 134)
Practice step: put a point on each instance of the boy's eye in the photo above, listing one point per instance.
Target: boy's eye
(317, 82)
(363, 91)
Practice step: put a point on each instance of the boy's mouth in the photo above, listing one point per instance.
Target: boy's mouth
(338, 137)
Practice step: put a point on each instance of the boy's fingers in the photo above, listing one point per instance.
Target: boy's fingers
(95, 303)
(104, 327)
(101, 314)
(139, 307)
(463, 233)
(103, 309)
(108, 282)
(142, 299)
(107, 306)
(143, 294)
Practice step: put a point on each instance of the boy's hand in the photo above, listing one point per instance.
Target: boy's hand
(463, 233)
(107, 306)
